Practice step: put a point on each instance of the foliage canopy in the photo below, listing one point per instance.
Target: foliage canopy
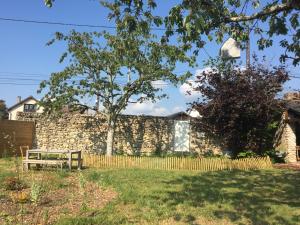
(3, 110)
(240, 106)
(116, 68)
(199, 21)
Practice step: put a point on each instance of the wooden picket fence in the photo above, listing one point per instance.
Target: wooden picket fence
(175, 163)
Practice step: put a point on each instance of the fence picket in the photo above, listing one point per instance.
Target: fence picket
(175, 163)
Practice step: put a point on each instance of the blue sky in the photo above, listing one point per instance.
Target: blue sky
(25, 59)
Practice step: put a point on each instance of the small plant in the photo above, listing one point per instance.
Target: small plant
(46, 217)
(36, 192)
(13, 184)
(19, 197)
(82, 184)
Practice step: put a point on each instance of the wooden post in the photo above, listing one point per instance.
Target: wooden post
(70, 160)
(248, 49)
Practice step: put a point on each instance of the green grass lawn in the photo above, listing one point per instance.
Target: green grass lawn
(182, 197)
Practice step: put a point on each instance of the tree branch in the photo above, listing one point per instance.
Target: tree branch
(290, 5)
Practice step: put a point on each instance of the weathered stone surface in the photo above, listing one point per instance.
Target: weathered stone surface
(286, 137)
(134, 134)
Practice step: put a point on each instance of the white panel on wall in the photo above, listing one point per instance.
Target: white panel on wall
(182, 137)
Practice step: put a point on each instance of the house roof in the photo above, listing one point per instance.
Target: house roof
(293, 107)
(178, 114)
(21, 102)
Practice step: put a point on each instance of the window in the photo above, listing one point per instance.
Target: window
(29, 108)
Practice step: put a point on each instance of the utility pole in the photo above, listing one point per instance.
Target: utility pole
(129, 76)
(248, 49)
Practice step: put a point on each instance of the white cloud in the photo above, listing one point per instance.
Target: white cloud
(147, 108)
(150, 108)
(178, 109)
(159, 84)
(187, 89)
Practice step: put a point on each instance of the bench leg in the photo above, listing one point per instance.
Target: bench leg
(26, 166)
(79, 161)
(70, 161)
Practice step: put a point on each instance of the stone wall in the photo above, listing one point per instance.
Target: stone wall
(286, 140)
(134, 134)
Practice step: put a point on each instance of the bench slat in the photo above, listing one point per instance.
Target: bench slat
(29, 161)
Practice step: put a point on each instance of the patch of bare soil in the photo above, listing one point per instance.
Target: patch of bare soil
(291, 166)
(200, 221)
(72, 200)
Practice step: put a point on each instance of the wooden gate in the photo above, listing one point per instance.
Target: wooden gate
(14, 134)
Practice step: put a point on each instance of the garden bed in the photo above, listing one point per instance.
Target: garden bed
(46, 196)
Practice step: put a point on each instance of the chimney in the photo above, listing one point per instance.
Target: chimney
(19, 99)
(292, 96)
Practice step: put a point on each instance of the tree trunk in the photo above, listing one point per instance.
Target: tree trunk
(110, 138)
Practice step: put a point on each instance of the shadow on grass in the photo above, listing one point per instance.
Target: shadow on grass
(253, 196)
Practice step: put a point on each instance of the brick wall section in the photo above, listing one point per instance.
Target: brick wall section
(134, 134)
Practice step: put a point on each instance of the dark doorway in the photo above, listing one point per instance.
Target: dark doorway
(297, 129)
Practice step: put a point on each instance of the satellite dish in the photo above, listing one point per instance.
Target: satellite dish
(230, 49)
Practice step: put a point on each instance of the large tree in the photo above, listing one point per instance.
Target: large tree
(115, 68)
(3, 110)
(199, 21)
(240, 106)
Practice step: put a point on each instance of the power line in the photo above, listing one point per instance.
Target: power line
(294, 77)
(76, 25)
(16, 79)
(18, 84)
(206, 52)
(66, 24)
(23, 74)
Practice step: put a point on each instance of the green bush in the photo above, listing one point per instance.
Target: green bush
(246, 154)
(179, 154)
(276, 156)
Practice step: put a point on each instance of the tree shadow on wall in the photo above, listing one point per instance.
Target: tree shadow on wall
(145, 132)
(236, 195)
(130, 132)
(134, 135)
(94, 129)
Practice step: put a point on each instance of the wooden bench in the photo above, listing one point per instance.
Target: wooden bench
(27, 162)
(48, 159)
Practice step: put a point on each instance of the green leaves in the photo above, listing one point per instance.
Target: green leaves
(99, 63)
(3, 110)
(48, 3)
(238, 106)
(198, 19)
